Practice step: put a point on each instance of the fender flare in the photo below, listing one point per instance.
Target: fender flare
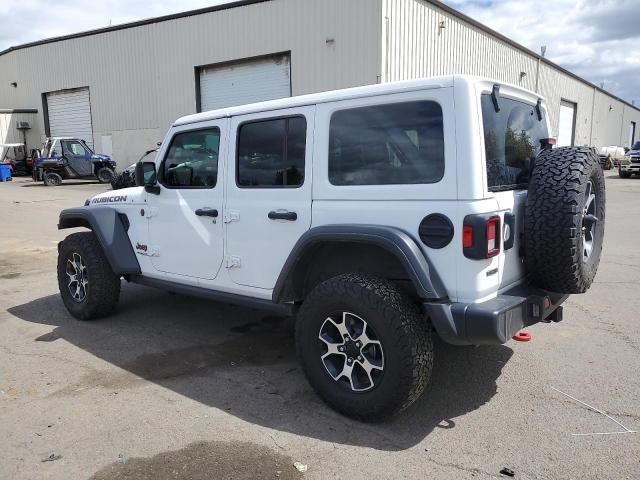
(110, 228)
(394, 240)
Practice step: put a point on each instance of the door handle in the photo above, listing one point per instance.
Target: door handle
(207, 212)
(291, 216)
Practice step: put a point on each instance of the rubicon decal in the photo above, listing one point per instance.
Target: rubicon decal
(114, 199)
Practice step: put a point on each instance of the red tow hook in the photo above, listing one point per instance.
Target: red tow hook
(522, 337)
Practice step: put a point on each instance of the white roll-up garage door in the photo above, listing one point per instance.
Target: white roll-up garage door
(70, 114)
(567, 125)
(245, 82)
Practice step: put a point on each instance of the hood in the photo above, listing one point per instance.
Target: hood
(634, 153)
(125, 197)
(101, 158)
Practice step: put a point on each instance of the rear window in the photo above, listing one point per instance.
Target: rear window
(512, 140)
(395, 144)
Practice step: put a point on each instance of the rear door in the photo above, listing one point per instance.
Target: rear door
(268, 199)
(512, 141)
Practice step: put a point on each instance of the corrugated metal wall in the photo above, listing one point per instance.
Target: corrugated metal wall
(421, 39)
(141, 79)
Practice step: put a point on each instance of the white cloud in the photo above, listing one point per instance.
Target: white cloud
(25, 21)
(596, 39)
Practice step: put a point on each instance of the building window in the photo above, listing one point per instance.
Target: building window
(271, 153)
(192, 160)
(395, 144)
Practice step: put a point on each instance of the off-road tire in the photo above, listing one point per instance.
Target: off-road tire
(553, 225)
(117, 181)
(404, 334)
(104, 175)
(103, 289)
(52, 179)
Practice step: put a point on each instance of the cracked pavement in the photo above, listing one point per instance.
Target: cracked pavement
(175, 387)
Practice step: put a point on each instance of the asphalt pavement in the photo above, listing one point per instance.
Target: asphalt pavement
(181, 388)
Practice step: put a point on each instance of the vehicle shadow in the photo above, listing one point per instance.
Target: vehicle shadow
(243, 361)
(67, 183)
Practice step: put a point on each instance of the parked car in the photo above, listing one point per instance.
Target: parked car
(64, 158)
(610, 157)
(127, 177)
(630, 164)
(15, 154)
(378, 216)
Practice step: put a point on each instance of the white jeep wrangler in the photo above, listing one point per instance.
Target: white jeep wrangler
(378, 216)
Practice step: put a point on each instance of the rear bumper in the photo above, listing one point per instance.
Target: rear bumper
(497, 320)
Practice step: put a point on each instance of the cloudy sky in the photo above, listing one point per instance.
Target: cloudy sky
(597, 39)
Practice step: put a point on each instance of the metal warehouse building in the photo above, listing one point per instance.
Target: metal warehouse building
(121, 87)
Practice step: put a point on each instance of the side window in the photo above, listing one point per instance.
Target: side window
(74, 148)
(192, 160)
(394, 144)
(271, 153)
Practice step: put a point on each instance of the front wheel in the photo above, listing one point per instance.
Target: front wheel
(624, 174)
(104, 175)
(364, 346)
(88, 286)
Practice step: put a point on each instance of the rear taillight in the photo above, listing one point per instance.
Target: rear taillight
(481, 236)
(493, 237)
(467, 236)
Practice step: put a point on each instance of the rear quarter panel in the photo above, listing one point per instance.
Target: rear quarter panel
(404, 206)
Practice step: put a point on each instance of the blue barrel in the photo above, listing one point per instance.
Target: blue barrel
(5, 172)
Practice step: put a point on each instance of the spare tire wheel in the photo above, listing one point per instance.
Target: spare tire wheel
(564, 220)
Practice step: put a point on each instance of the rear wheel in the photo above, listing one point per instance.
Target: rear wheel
(87, 284)
(52, 179)
(364, 346)
(104, 175)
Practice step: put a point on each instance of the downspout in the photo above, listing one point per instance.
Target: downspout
(593, 106)
(537, 74)
(387, 74)
(624, 106)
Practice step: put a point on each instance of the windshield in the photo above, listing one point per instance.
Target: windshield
(635, 146)
(512, 140)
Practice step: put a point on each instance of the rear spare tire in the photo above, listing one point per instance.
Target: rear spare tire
(564, 220)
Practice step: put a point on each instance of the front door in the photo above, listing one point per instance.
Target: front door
(78, 156)
(268, 204)
(185, 219)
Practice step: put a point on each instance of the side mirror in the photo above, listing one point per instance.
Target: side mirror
(146, 177)
(626, 149)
